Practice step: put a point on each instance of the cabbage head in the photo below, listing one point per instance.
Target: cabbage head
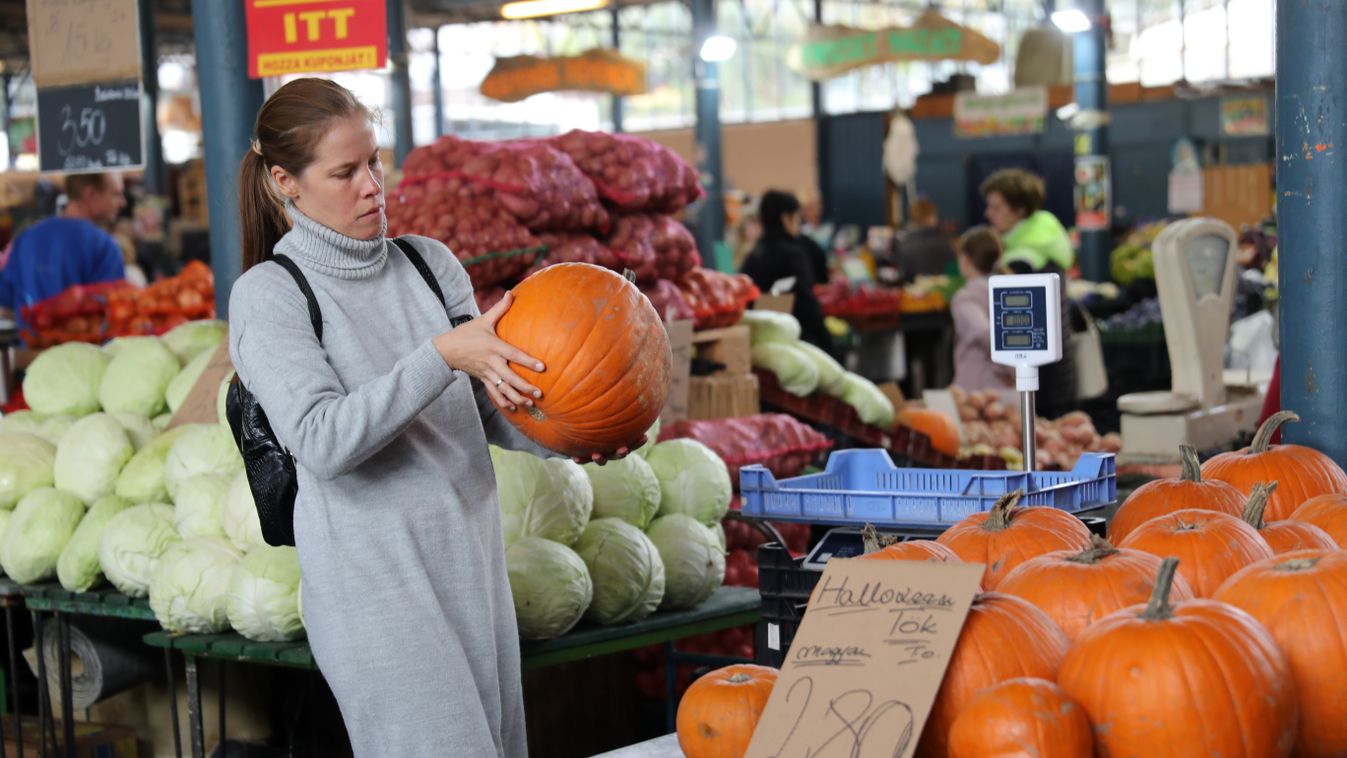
(27, 463)
(550, 585)
(142, 478)
(870, 403)
(793, 368)
(770, 326)
(5, 517)
(651, 437)
(22, 421)
(202, 449)
(189, 340)
(91, 456)
(54, 428)
(138, 428)
(138, 376)
(78, 568)
(162, 421)
(190, 589)
(541, 497)
(64, 380)
(199, 507)
(264, 595)
(625, 489)
(626, 569)
(38, 531)
(238, 515)
(693, 480)
(221, 396)
(181, 384)
(694, 563)
(132, 544)
(830, 372)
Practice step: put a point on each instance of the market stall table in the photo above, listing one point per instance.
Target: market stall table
(11, 597)
(660, 747)
(728, 607)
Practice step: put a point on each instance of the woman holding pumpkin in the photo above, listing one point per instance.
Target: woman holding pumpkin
(387, 415)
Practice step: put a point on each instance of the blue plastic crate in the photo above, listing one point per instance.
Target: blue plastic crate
(865, 487)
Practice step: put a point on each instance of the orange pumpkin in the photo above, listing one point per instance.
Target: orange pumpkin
(1283, 536)
(1023, 716)
(1003, 638)
(934, 424)
(1193, 678)
(1328, 512)
(1077, 588)
(1161, 496)
(1008, 535)
(914, 550)
(719, 712)
(605, 354)
(1210, 545)
(1302, 472)
(1301, 599)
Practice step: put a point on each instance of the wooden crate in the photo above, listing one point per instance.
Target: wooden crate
(728, 346)
(1238, 194)
(722, 396)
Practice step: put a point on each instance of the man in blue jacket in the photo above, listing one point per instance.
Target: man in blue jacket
(68, 249)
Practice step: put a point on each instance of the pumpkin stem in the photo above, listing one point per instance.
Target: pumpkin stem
(1262, 440)
(739, 678)
(1257, 504)
(1298, 564)
(1100, 549)
(1192, 468)
(629, 275)
(1159, 609)
(1003, 511)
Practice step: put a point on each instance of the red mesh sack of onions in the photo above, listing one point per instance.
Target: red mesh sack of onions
(779, 442)
(653, 246)
(717, 299)
(632, 174)
(668, 301)
(563, 247)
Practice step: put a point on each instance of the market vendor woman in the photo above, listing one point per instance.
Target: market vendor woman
(388, 416)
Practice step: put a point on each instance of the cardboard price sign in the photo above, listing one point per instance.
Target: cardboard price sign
(78, 41)
(867, 662)
(301, 36)
(680, 344)
(513, 79)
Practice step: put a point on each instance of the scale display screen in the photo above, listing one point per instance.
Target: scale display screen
(1018, 340)
(1017, 320)
(1020, 319)
(1017, 301)
(1205, 257)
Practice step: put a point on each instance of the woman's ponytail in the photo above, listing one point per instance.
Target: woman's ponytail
(260, 211)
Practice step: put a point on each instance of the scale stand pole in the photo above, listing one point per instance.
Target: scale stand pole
(1027, 432)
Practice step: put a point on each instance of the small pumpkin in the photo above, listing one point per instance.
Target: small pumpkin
(934, 424)
(1024, 716)
(1003, 638)
(1301, 599)
(1161, 496)
(1303, 472)
(1009, 535)
(719, 712)
(1211, 545)
(605, 355)
(1283, 536)
(1328, 512)
(1077, 588)
(1192, 678)
(914, 550)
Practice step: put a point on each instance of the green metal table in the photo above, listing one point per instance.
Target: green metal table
(11, 597)
(727, 608)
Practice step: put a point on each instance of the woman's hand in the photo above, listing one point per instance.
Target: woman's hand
(475, 349)
(599, 459)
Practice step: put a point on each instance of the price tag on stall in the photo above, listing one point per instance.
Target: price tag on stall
(866, 664)
(680, 344)
(90, 127)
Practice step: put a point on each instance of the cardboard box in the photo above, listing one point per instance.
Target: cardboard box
(91, 740)
(722, 396)
(729, 346)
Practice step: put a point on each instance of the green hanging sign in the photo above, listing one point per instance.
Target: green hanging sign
(830, 51)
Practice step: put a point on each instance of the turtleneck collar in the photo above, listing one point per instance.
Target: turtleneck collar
(331, 252)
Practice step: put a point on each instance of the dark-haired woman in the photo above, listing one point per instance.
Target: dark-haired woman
(779, 255)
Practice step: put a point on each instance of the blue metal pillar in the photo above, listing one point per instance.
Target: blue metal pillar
(1311, 203)
(155, 180)
(402, 83)
(1092, 95)
(617, 48)
(820, 130)
(438, 84)
(229, 105)
(710, 222)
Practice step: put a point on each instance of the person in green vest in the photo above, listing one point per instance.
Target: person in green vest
(1035, 242)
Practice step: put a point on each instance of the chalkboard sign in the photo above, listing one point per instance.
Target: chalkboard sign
(90, 127)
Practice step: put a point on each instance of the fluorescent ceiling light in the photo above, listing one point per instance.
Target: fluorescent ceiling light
(538, 8)
(718, 48)
(1071, 20)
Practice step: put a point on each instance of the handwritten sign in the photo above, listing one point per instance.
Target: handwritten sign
(76, 41)
(515, 78)
(90, 127)
(201, 403)
(867, 661)
(303, 36)
(830, 51)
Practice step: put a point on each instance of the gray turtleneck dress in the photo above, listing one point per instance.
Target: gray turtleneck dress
(406, 597)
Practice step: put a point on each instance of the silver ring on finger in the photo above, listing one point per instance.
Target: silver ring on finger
(500, 381)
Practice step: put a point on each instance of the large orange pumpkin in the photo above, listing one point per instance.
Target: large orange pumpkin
(1008, 535)
(605, 354)
(1003, 638)
(1302, 472)
(1161, 496)
(1077, 588)
(1025, 716)
(1301, 599)
(719, 712)
(914, 550)
(1328, 512)
(1193, 678)
(1211, 546)
(1283, 536)
(934, 424)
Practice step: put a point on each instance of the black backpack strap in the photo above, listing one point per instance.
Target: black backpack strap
(315, 313)
(422, 268)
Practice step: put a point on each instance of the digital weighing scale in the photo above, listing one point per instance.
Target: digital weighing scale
(1195, 275)
(1026, 332)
